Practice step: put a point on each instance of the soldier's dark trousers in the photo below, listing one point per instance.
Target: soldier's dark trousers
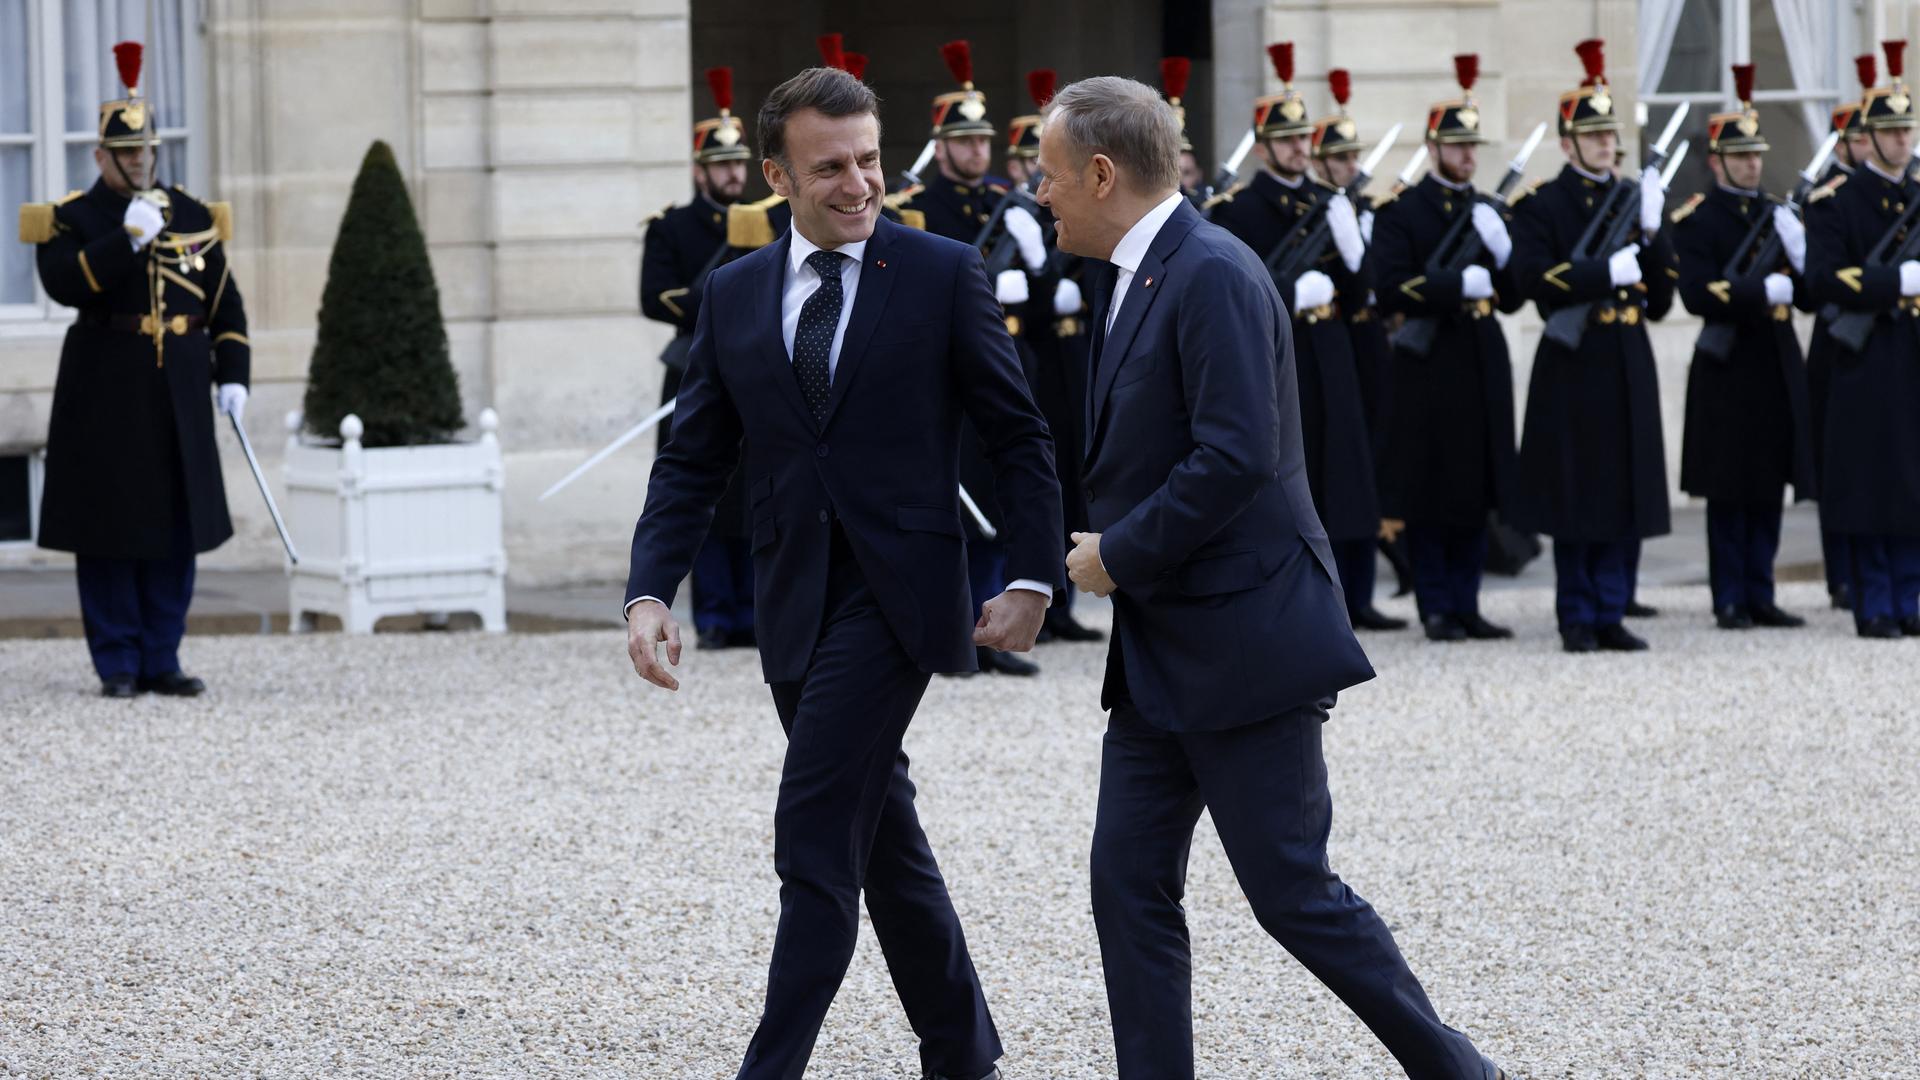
(723, 585)
(1447, 563)
(1355, 561)
(134, 612)
(1839, 561)
(1886, 576)
(1741, 544)
(986, 571)
(1592, 581)
(845, 823)
(1633, 569)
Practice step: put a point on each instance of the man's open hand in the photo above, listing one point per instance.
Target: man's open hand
(1085, 568)
(1011, 621)
(648, 624)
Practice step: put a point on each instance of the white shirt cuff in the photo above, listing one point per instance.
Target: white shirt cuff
(1031, 585)
(627, 612)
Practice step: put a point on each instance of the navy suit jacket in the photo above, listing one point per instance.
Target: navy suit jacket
(926, 343)
(1227, 610)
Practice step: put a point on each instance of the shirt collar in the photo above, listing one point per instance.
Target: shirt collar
(1132, 247)
(1739, 192)
(1450, 185)
(802, 247)
(1877, 171)
(1598, 178)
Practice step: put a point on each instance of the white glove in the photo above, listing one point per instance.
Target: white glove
(1027, 234)
(1010, 287)
(1476, 283)
(1066, 297)
(1346, 231)
(1910, 278)
(1623, 266)
(1366, 226)
(1793, 237)
(143, 222)
(233, 399)
(1311, 290)
(1493, 234)
(1653, 200)
(1779, 289)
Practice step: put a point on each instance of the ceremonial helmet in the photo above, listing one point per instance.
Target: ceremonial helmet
(1889, 106)
(1336, 134)
(723, 137)
(1590, 106)
(1737, 132)
(128, 121)
(833, 53)
(1023, 132)
(962, 111)
(1458, 121)
(1175, 71)
(1284, 113)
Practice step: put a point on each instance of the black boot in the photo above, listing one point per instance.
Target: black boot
(120, 686)
(174, 684)
(1479, 629)
(1841, 597)
(1371, 618)
(1732, 618)
(1767, 614)
(1616, 638)
(1443, 628)
(1638, 610)
(1578, 638)
(1000, 663)
(1880, 626)
(1062, 627)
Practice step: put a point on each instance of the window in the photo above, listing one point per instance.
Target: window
(56, 67)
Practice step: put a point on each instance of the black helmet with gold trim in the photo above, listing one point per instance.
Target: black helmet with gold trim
(1590, 106)
(1285, 113)
(1889, 106)
(723, 137)
(1337, 134)
(962, 111)
(1458, 121)
(1023, 132)
(1737, 132)
(128, 121)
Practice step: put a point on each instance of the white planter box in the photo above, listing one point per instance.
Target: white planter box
(396, 530)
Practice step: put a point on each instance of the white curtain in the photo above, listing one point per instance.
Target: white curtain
(1659, 20)
(1805, 27)
(16, 157)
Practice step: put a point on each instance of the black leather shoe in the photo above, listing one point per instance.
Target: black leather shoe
(1000, 663)
(1479, 629)
(1578, 639)
(120, 686)
(990, 1074)
(1910, 626)
(1770, 615)
(1443, 628)
(1371, 618)
(1732, 618)
(1616, 638)
(1880, 626)
(1638, 610)
(176, 684)
(1062, 627)
(1841, 598)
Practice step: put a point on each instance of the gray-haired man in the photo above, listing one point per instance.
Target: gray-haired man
(1230, 635)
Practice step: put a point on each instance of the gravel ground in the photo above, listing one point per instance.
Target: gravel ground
(464, 856)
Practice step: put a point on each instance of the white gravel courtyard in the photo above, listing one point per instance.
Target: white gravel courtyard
(457, 855)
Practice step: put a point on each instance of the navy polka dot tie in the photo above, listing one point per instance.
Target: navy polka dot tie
(813, 341)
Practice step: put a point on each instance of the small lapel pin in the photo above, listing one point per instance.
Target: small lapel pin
(881, 263)
(1148, 285)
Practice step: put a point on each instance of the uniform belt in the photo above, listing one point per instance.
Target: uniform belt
(1364, 315)
(1479, 309)
(1067, 326)
(1013, 325)
(141, 324)
(1908, 306)
(1624, 314)
(1324, 311)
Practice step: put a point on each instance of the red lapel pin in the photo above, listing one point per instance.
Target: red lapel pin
(881, 263)
(1148, 285)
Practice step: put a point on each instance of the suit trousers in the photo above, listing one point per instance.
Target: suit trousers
(1447, 564)
(844, 823)
(1265, 784)
(1741, 544)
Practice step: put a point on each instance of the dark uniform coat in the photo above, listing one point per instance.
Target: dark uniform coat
(1593, 464)
(1058, 375)
(1747, 433)
(1333, 421)
(1820, 346)
(130, 442)
(1449, 456)
(1871, 478)
(1372, 354)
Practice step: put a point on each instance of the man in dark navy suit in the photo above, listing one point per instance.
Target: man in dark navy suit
(846, 354)
(1230, 634)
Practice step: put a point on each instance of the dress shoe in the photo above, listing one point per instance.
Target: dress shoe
(1910, 626)
(1841, 598)
(1616, 638)
(1638, 610)
(1769, 615)
(1000, 663)
(710, 639)
(120, 686)
(1062, 627)
(990, 1074)
(1880, 626)
(1371, 618)
(1732, 618)
(1578, 639)
(173, 684)
(1443, 628)
(1479, 629)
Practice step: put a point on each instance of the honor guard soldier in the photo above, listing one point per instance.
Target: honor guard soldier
(1747, 435)
(1449, 456)
(683, 245)
(1175, 73)
(1852, 149)
(1592, 463)
(1271, 214)
(133, 485)
(1861, 265)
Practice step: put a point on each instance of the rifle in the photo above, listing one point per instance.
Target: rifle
(1761, 252)
(1607, 233)
(1001, 250)
(1306, 244)
(912, 175)
(1230, 168)
(1461, 246)
(1851, 328)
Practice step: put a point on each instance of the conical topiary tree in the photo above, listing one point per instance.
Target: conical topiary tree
(381, 349)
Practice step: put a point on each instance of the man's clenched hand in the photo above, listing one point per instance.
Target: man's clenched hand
(648, 624)
(1085, 568)
(1011, 621)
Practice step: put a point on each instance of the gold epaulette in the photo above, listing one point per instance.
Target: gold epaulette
(37, 221)
(913, 219)
(1686, 209)
(997, 189)
(899, 199)
(748, 225)
(1524, 192)
(1826, 190)
(222, 219)
(657, 214)
(1391, 196)
(1316, 178)
(1224, 196)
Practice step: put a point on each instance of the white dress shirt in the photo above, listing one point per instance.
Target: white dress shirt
(1132, 248)
(802, 281)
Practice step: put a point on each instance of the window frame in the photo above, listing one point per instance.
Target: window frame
(1736, 46)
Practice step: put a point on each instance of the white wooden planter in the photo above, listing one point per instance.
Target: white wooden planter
(395, 530)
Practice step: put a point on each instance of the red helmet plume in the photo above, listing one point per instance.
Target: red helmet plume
(1743, 83)
(1175, 71)
(126, 56)
(1896, 53)
(1867, 67)
(1593, 57)
(832, 50)
(854, 64)
(1466, 68)
(959, 58)
(720, 81)
(1341, 83)
(1040, 86)
(1281, 53)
